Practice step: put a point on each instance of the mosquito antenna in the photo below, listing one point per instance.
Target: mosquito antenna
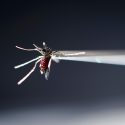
(36, 46)
(26, 76)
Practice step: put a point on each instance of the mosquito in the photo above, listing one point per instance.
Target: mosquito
(48, 55)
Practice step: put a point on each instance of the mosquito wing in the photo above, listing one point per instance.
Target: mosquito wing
(98, 56)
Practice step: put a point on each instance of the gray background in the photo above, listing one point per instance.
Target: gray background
(72, 86)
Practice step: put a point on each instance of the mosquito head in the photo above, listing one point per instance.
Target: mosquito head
(44, 51)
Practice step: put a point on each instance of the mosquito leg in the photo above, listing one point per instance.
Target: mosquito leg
(21, 65)
(26, 49)
(49, 63)
(25, 77)
(41, 72)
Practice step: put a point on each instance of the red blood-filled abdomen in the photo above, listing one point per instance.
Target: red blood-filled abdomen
(44, 63)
